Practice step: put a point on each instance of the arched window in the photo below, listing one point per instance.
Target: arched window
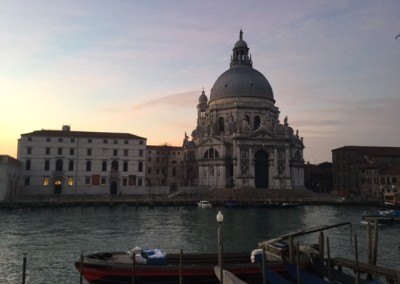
(114, 166)
(221, 124)
(59, 165)
(257, 122)
(46, 165)
(125, 166)
(297, 155)
(104, 166)
(211, 154)
(88, 166)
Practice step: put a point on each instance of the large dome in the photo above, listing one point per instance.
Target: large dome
(241, 81)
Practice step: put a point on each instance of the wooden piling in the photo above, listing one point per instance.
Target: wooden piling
(81, 273)
(375, 247)
(321, 246)
(180, 266)
(24, 268)
(356, 257)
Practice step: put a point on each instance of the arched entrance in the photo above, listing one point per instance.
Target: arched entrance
(113, 188)
(57, 186)
(261, 169)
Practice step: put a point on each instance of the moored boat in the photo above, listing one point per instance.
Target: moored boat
(119, 267)
(388, 216)
(204, 204)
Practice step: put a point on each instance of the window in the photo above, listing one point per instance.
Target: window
(140, 182)
(88, 166)
(124, 181)
(89, 152)
(105, 141)
(103, 181)
(72, 151)
(104, 166)
(59, 151)
(149, 171)
(72, 140)
(28, 165)
(125, 167)
(89, 140)
(126, 152)
(257, 122)
(394, 180)
(115, 152)
(115, 141)
(114, 166)
(70, 181)
(149, 159)
(60, 139)
(27, 181)
(140, 153)
(141, 142)
(87, 180)
(48, 139)
(47, 151)
(29, 150)
(221, 124)
(140, 167)
(173, 172)
(126, 142)
(46, 181)
(46, 165)
(71, 165)
(59, 165)
(211, 154)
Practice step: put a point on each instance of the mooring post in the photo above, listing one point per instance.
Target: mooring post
(263, 265)
(80, 270)
(375, 251)
(321, 246)
(23, 268)
(291, 250)
(356, 255)
(328, 251)
(180, 266)
(369, 239)
(133, 267)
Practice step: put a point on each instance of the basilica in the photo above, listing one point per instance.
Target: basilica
(239, 140)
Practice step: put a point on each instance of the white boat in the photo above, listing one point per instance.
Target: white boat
(204, 204)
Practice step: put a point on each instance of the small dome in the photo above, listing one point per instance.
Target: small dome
(203, 97)
(240, 43)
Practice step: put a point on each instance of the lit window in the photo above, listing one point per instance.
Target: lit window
(46, 181)
(70, 181)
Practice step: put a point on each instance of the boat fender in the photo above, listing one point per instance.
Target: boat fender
(256, 255)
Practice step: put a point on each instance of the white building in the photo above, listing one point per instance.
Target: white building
(80, 162)
(239, 140)
(9, 177)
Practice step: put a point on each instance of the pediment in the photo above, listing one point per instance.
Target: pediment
(262, 133)
(212, 141)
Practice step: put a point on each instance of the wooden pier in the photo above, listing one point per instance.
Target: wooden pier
(391, 275)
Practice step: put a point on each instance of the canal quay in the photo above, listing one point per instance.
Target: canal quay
(243, 198)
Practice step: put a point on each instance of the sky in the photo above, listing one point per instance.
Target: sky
(139, 67)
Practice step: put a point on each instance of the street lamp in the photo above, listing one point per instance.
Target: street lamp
(220, 219)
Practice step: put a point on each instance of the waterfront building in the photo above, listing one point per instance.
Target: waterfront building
(164, 166)
(239, 140)
(366, 171)
(81, 162)
(9, 177)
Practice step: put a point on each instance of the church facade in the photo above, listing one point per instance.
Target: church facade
(239, 141)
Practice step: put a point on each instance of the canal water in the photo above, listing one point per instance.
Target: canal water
(53, 239)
